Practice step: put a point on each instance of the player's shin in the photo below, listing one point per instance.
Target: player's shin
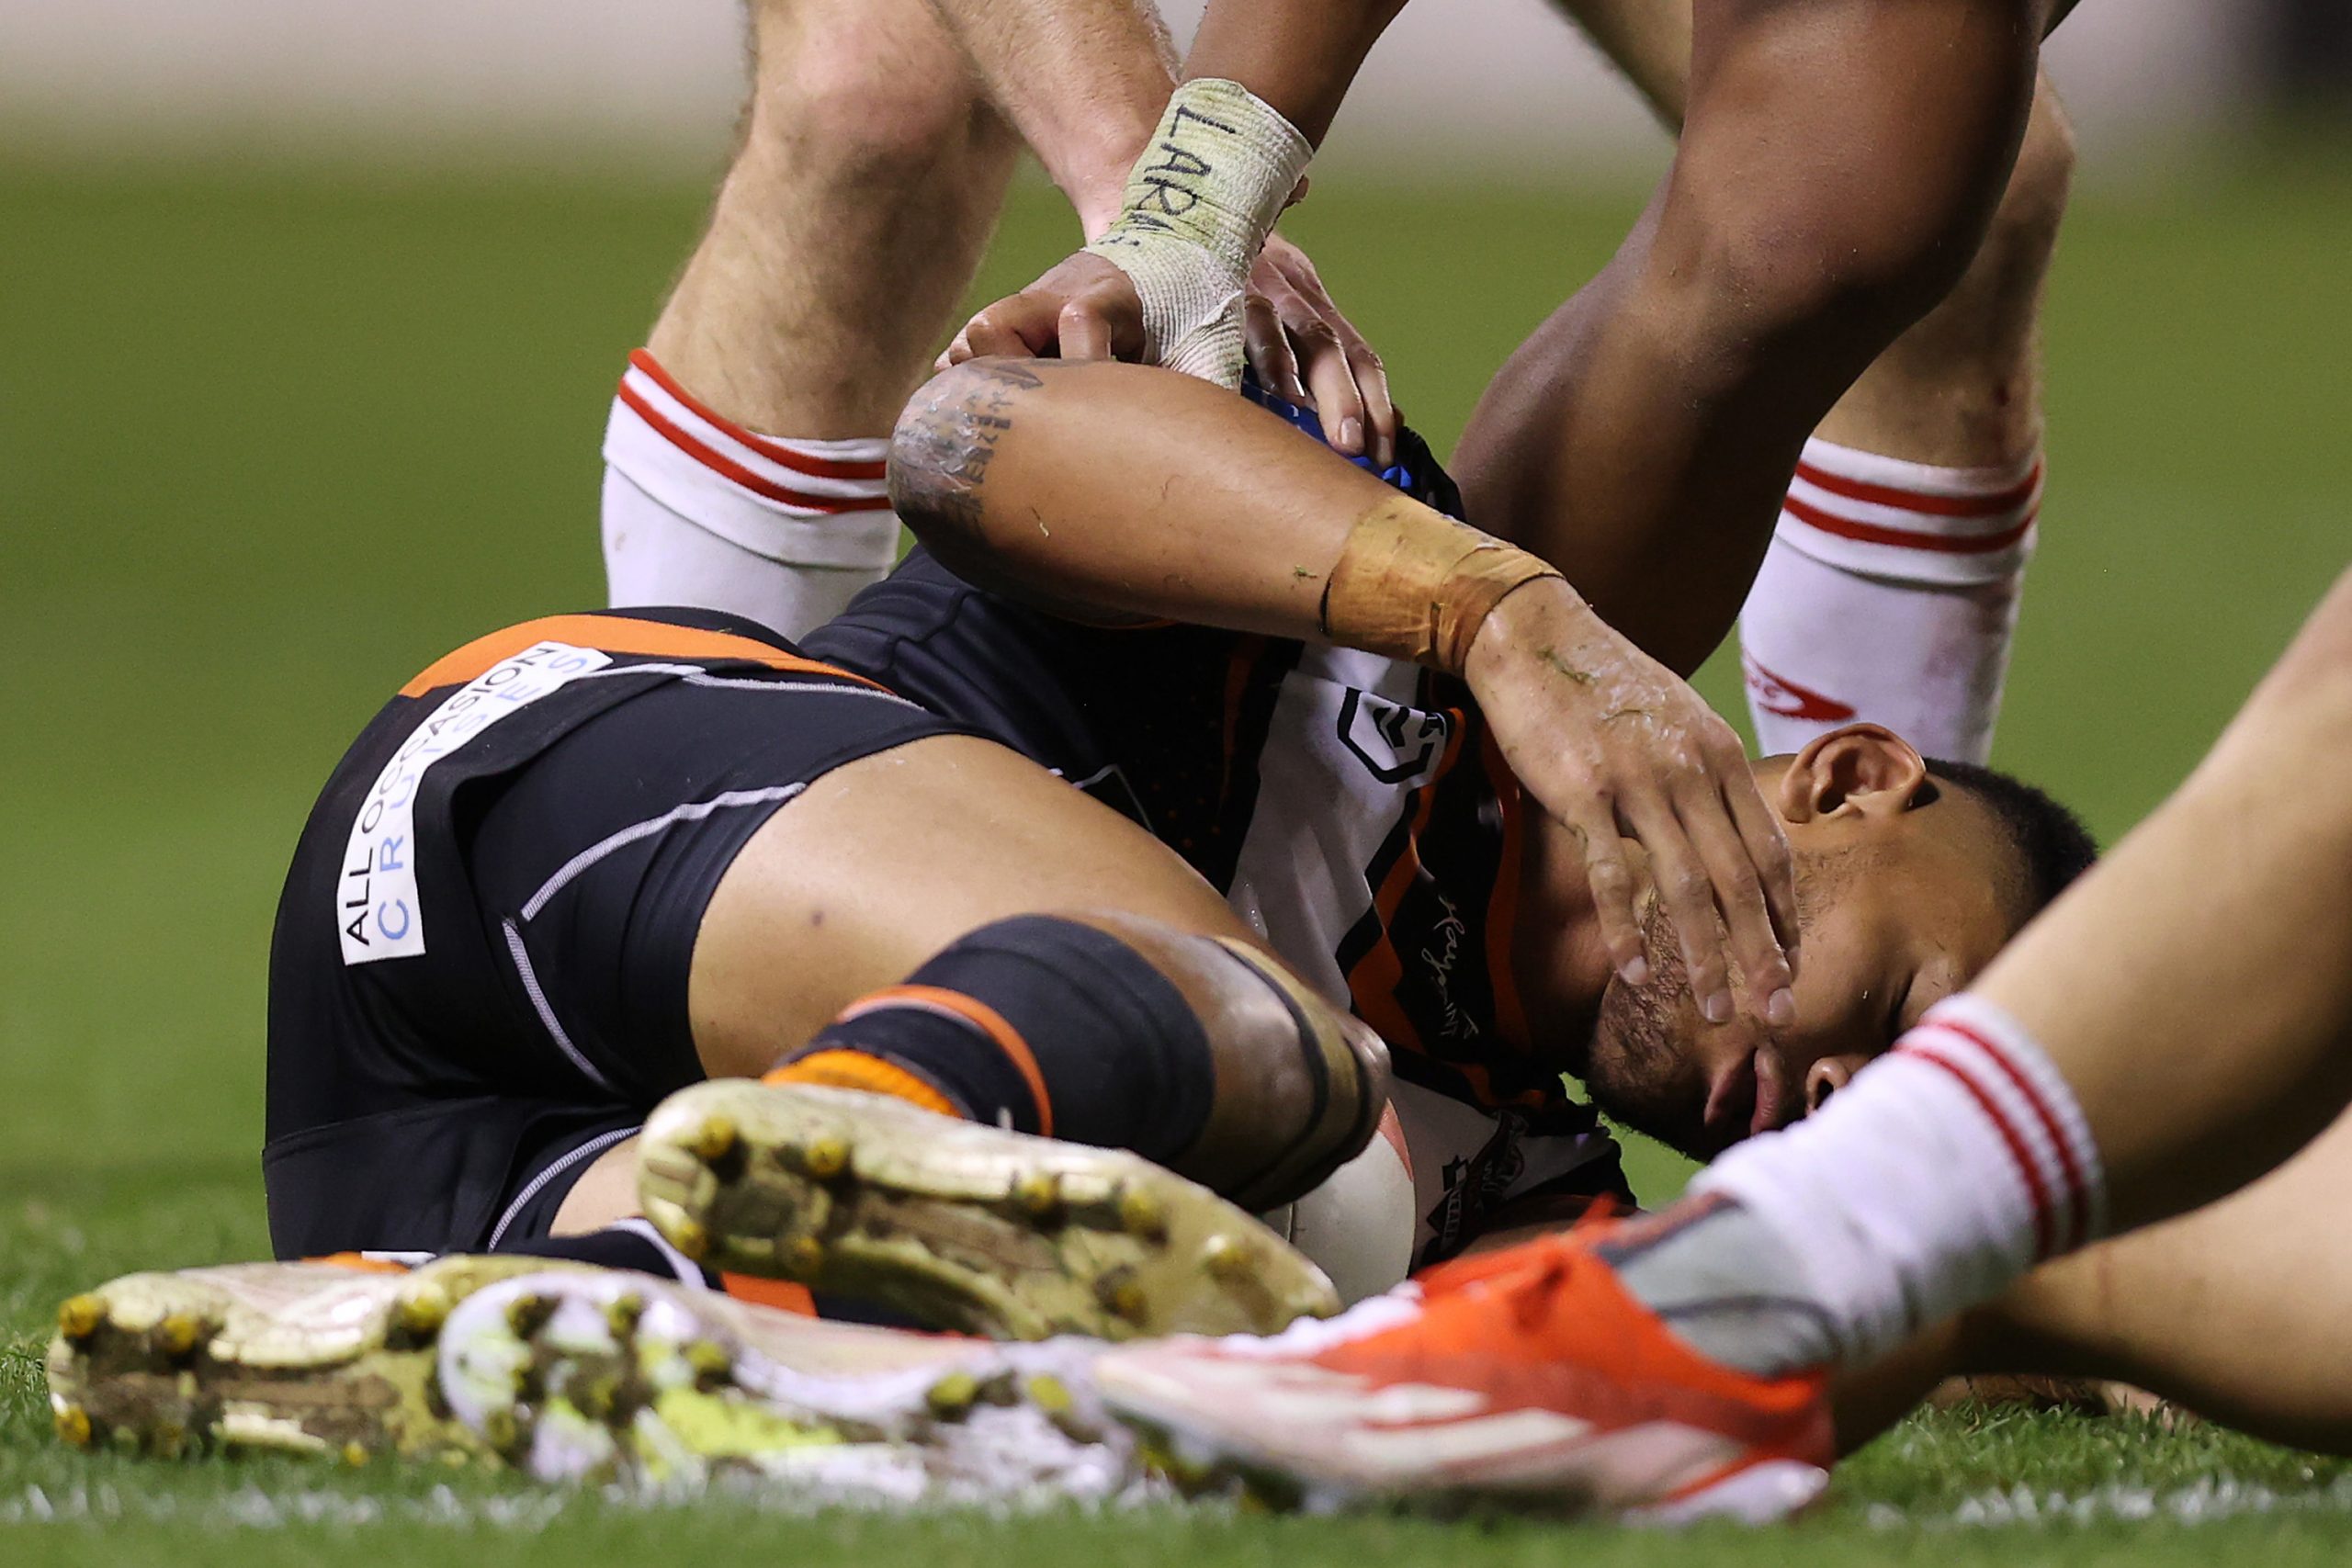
(1196, 1052)
(1068, 1040)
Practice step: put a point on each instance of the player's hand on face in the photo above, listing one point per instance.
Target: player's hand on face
(1616, 747)
(1084, 309)
(1303, 349)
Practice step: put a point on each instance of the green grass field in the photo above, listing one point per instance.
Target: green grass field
(267, 445)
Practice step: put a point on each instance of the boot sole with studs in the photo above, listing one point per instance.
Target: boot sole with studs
(963, 1226)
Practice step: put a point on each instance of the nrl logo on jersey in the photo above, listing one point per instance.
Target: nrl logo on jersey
(1397, 743)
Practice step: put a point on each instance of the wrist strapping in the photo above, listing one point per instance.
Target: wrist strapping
(1414, 584)
(1199, 204)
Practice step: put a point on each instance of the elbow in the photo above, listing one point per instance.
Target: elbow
(946, 437)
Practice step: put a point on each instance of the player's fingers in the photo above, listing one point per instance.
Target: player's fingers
(1330, 381)
(955, 352)
(1268, 349)
(996, 331)
(1082, 331)
(1739, 895)
(1612, 889)
(1381, 420)
(1688, 898)
(1766, 843)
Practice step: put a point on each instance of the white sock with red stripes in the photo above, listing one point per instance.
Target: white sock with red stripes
(1944, 1172)
(1890, 595)
(700, 511)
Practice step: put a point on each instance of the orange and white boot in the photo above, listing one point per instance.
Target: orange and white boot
(1531, 1378)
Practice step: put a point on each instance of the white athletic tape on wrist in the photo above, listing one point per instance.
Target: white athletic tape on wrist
(1200, 203)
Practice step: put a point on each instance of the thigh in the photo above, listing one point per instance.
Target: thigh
(882, 863)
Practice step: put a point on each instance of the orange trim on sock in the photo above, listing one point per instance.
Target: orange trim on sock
(986, 1019)
(844, 1068)
(781, 1294)
(361, 1262)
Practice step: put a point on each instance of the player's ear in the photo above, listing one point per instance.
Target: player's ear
(1861, 770)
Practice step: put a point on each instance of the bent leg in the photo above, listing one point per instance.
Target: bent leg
(2236, 1310)
(1897, 609)
(952, 914)
(745, 455)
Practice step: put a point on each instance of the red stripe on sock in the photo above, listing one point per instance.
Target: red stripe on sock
(791, 457)
(2078, 1198)
(1909, 539)
(2043, 1240)
(1992, 506)
(719, 462)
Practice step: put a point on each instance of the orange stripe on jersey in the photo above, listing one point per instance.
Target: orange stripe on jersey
(781, 1294)
(982, 1017)
(615, 634)
(1502, 908)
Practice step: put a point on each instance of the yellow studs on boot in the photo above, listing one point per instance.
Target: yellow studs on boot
(689, 1237)
(710, 1361)
(79, 1319)
(526, 1316)
(1050, 1394)
(1122, 1293)
(802, 1257)
(419, 1316)
(1039, 1192)
(1226, 1258)
(178, 1335)
(954, 1394)
(500, 1429)
(74, 1426)
(1141, 1215)
(715, 1140)
(826, 1158)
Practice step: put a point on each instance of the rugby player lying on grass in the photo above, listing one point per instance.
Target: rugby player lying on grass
(677, 851)
(2259, 1259)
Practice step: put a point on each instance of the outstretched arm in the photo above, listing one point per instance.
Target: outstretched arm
(1114, 489)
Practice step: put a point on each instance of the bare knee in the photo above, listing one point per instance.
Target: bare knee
(2025, 226)
(861, 91)
(1300, 1084)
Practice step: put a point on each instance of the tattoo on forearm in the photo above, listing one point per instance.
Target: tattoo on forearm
(941, 453)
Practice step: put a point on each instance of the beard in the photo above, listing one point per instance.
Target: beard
(1641, 1072)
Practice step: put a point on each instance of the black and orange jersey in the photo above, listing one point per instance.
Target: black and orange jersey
(481, 966)
(1355, 811)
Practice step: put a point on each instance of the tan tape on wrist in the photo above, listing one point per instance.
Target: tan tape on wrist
(1412, 583)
